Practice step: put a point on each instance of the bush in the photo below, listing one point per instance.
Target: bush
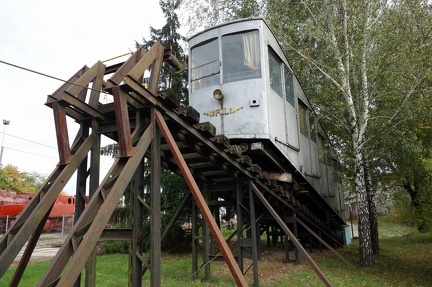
(114, 246)
(178, 241)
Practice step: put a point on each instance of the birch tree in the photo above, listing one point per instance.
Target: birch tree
(400, 127)
(345, 32)
(361, 74)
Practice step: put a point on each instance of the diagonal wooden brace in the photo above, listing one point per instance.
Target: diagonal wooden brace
(220, 240)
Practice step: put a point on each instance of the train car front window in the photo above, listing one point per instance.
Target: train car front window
(241, 56)
(205, 65)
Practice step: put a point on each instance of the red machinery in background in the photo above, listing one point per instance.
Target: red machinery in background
(11, 205)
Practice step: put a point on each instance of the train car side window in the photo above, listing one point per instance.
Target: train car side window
(275, 73)
(241, 56)
(313, 130)
(303, 119)
(321, 148)
(205, 68)
(289, 87)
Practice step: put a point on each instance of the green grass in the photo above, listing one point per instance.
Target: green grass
(405, 260)
(389, 227)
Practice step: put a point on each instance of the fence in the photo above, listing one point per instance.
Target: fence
(62, 223)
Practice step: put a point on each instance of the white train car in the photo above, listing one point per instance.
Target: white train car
(241, 82)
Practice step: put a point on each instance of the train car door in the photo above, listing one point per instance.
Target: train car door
(313, 145)
(290, 111)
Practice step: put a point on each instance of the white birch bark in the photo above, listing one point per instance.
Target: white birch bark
(358, 123)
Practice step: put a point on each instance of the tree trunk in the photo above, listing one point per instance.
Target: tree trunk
(373, 218)
(413, 190)
(365, 244)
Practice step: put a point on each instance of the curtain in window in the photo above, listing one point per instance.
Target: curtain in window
(251, 54)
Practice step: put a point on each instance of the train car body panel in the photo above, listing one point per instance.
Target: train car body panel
(262, 99)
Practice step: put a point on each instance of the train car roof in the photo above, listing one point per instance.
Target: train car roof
(228, 23)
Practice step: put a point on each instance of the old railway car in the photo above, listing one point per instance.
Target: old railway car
(241, 81)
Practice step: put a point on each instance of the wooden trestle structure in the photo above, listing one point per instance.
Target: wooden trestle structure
(151, 125)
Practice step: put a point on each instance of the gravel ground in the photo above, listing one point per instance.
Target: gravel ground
(46, 248)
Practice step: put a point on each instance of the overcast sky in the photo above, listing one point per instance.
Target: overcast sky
(57, 38)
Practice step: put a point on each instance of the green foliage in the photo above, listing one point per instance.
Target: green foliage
(115, 246)
(178, 240)
(174, 189)
(170, 37)
(204, 14)
(110, 150)
(20, 181)
(121, 217)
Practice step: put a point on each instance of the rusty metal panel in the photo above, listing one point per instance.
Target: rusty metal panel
(61, 133)
(122, 122)
(69, 82)
(156, 68)
(98, 82)
(119, 75)
(82, 82)
(148, 59)
(74, 92)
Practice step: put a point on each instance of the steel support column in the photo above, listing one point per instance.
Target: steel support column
(62, 133)
(90, 278)
(291, 220)
(137, 226)
(173, 220)
(206, 239)
(195, 239)
(254, 234)
(239, 210)
(155, 197)
(80, 200)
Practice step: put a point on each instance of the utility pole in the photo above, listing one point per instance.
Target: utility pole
(5, 123)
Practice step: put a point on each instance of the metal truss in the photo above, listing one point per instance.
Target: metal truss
(149, 125)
